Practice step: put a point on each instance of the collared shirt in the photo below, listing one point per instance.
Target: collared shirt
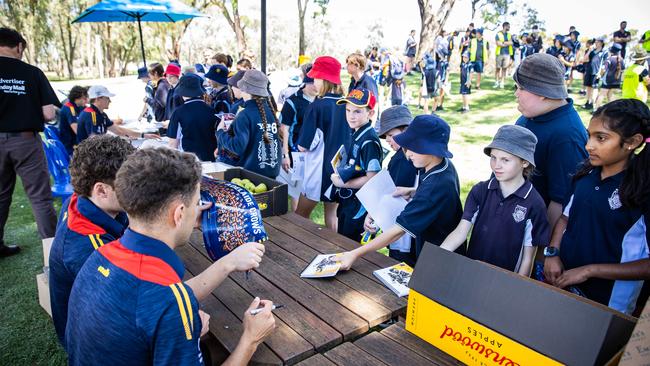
(435, 210)
(128, 306)
(366, 82)
(402, 170)
(504, 226)
(292, 114)
(83, 228)
(364, 156)
(561, 140)
(221, 100)
(67, 116)
(601, 230)
(92, 121)
(197, 121)
(324, 130)
(173, 101)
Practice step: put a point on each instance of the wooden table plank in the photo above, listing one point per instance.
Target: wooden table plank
(316, 360)
(319, 244)
(389, 351)
(230, 328)
(340, 240)
(351, 299)
(370, 288)
(299, 318)
(399, 334)
(284, 341)
(349, 354)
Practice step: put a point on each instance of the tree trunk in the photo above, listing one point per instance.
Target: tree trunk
(235, 23)
(431, 23)
(302, 9)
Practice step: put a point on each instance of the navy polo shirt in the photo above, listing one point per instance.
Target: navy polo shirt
(173, 101)
(324, 130)
(221, 100)
(366, 82)
(601, 230)
(364, 154)
(402, 170)
(128, 306)
(246, 140)
(92, 122)
(292, 114)
(197, 121)
(84, 228)
(435, 210)
(504, 226)
(561, 140)
(67, 116)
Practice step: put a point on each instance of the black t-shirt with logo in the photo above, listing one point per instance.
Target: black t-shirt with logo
(24, 90)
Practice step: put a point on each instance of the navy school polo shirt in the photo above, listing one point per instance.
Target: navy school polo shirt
(504, 226)
(197, 121)
(292, 114)
(324, 130)
(601, 230)
(129, 306)
(173, 101)
(67, 116)
(402, 170)
(435, 210)
(561, 140)
(221, 101)
(366, 82)
(92, 122)
(247, 142)
(84, 228)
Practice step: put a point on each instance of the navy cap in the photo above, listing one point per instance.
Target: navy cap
(306, 79)
(190, 86)
(233, 80)
(428, 135)
(199, 68)
(143, 73)
(615, 48)
(218, 73)
(360, 98)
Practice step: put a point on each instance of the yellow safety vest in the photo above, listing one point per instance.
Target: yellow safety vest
(646, 41)
(632, 87)
(502, 38)
(473, 47)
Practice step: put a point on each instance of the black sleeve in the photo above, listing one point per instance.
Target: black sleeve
(47, 95)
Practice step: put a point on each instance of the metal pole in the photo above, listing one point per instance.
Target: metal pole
(263, 41)
(144, 59)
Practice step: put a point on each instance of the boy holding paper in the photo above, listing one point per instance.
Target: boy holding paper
(364, 157)
(434, 208)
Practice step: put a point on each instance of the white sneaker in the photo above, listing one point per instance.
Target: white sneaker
(501, 85)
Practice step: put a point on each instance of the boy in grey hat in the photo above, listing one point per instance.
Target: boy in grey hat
(505, 213)
(547, 111)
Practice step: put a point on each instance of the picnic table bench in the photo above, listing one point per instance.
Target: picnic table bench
(319, 314)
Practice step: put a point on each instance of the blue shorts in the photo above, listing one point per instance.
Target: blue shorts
(465, 90)
(478, 66)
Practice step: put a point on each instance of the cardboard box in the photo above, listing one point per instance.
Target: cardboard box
(637, 351)
(273, 202)
(477, 313)
(44, 293)
(47, 246)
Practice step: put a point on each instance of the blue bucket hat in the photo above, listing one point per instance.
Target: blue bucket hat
(190, 86)
(428, 135)
(218, 73)
(199, 68)
(143, 73)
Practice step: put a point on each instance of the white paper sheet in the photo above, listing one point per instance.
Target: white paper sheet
(377, 197)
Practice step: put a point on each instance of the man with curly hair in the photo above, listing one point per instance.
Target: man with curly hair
(91, 218)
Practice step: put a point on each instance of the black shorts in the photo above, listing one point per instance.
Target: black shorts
(590, 80)
(465, 90)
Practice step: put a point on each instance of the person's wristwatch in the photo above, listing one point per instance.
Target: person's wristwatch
(551, 252)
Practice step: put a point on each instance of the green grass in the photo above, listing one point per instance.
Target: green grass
(26, 333)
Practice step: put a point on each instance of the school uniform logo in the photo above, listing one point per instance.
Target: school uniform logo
(519, 214)
(614, 200)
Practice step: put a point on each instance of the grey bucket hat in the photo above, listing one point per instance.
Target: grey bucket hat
(393, 117)
(542, 74)
(254, 82)
(516, 140)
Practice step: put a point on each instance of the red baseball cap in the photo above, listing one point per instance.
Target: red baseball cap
(326, 68)
(173, 69)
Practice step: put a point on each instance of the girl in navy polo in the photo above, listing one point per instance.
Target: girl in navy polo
(324, 130)
(505, 213)
(220, 98)
(253, 136)
(600, 243)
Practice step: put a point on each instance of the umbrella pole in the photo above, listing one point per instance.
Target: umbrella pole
(144, 59)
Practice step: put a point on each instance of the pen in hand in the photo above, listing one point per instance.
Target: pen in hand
(257, 311)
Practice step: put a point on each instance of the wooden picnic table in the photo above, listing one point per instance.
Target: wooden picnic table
(391, 346)
(319, 314)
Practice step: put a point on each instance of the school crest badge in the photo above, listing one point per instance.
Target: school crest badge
(614, 200)
(519, 213)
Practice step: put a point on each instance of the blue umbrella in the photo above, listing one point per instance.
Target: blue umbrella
(138, 11)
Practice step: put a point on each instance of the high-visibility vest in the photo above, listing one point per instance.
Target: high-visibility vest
(646, 40)
(632, 87)
(502, 38)
(473, 47)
